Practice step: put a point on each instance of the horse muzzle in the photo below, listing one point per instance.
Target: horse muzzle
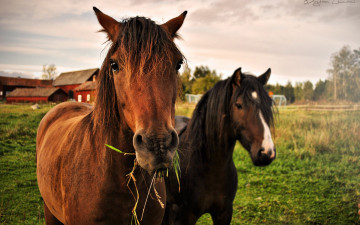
(155, 151)
(264, 157)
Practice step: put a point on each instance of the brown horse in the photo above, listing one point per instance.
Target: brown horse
(81, 180)
(237, 108)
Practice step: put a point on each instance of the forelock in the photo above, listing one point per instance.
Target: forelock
(146, 46)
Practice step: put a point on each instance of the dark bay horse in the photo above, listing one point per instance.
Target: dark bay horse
(237, 108)
(84, 182)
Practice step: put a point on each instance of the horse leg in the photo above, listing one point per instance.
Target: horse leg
(168, 217)
(185, 217)
(50, 219)
(223, 217)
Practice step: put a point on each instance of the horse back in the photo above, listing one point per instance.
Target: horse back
(61, 113)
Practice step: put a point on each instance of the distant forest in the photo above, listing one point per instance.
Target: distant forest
(342, 84)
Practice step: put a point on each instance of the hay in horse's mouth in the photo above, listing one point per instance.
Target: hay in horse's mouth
(157, 174)
(160, 173)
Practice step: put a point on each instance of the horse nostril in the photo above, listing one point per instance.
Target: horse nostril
(261, 151)
(138, 139)
(174, 140)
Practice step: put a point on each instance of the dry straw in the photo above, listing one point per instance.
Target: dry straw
(159, 174)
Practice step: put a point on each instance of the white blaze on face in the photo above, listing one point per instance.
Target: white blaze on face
(267, 143)
(254, 95)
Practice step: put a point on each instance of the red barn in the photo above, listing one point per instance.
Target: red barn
(8, 84)
(85, 92)
(70, 80)
(36, 95)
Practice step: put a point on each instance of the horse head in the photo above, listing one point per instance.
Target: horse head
(251, 116)
(138, 85)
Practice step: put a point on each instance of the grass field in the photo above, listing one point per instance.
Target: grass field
(314, 180)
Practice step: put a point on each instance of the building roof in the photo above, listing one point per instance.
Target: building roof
(33, 92)
(87, 86)
(14, 81)
(74, 77)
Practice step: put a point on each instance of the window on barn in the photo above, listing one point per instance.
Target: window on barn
(88, 97)
(79, 98)
(71, 94)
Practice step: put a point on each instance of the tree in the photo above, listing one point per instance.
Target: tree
(345, 74)
(298, 91)
(319, 91)
(186, 82)
(203, 84)
(289, 92)
(201, 71)
(354, 86)
(49, 72)
(308, 90)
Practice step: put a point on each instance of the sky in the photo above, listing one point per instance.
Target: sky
(294, 38)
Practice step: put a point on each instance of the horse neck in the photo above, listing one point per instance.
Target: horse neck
(211, 132)
(120, 137)
(212, 152)
(220, 142)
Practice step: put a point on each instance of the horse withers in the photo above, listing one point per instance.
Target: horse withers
(237, 108)
(83, 182)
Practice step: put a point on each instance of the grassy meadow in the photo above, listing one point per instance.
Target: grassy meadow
(314, 180)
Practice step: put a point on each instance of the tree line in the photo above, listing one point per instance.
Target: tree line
(342, 84)
(198, 82)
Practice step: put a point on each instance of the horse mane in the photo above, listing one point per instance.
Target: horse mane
(213, 111)
(143, 47)
(209, 117)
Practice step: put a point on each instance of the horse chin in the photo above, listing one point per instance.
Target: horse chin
(154, 164)
(258, 162)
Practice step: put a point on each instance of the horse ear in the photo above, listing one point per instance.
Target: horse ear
(173, 25)
(110, 25)
(237, 76)
(263, 79)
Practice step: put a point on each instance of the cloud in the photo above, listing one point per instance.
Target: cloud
(324, 11)
(293, 38)
(24, 50)
(15, 74)
(222, 12)
(41, 9)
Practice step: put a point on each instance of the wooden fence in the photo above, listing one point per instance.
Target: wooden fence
(354, 107)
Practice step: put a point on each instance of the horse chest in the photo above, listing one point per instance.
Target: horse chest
(215, 189)
(111, 205)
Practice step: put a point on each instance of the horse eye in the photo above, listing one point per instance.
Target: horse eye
(114, 66)
(239, 106)
(178, 65)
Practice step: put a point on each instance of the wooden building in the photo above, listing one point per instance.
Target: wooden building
(8, 84)
(85, 92)
(37, 95)
(70, 80)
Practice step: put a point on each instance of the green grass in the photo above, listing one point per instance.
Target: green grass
(314, 180)
(184, 109)
(20, 201)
